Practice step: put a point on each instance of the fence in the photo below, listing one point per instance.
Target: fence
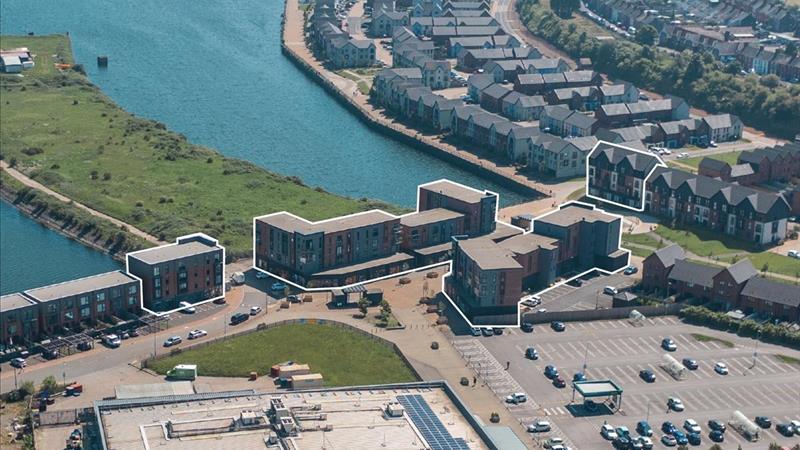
(267, 326)
(603, 314)
(65, 417)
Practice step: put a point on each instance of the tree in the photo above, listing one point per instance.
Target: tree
(386, 310)
(646, 35)
(363, 303)
(715, 447)
(694, 71)
(734, 67)
(770, 81)
(791, 49)
(49, 384)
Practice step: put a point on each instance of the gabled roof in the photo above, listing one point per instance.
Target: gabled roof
(615, 155)
(531, 101)
(691, 272)
(480, 81)
(772, 291)
(668, 255)
(720, 121)
(742, 271)
(713, 164)
(580, 120)
(557, 112)
(497, 91)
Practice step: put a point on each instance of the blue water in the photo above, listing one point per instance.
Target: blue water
(33, 255)
(213, 70)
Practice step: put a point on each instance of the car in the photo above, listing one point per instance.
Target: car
(608, 432)
(497, 331)
(712, 144)
(716, 436)
(134, 333)
(475, 331)
(690, 363)
(786, 429)
(579, 376)
(793, 254)
(668, 345)
(665, 151)
(621, 443)
(694, 438)
(763, 421)
(683, 155)
(702, 145)
(675, 404)
(691, 426)
(187, 308)
(623, 431)
(124, 335)
(554, 442)
(85, 346)
(532, 301)
(540, 426)
(610, 290)
(277, 287)
(174, 340)
(796, 425)
(531, 353)
(526, 327)
(551, 372)
(680, 437)
(294, 298)
(19, 363)
(668, 427)
(630, 270)
(255, 310)
(194, 334)
(558, 326)
(517, 397)
(487, 332)
(716, 425)
(239, 318)
(647, 375)
(721, 368)
(646, 442)
(669, 440)
(261, 275)
(112, 340)
(559, 382)
(643, 428)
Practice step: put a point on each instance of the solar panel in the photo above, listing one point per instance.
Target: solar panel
(428, 423)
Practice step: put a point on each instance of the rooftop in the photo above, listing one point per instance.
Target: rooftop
(171, 252)
(291, 223)
(457, 191)
(572, 214)
(80, 286)
(429, 216)
(14, 301)
(488, 255)
(396, 258)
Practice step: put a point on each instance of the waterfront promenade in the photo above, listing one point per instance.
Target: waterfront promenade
(294, 44)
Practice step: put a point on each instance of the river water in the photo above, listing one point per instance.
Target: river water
(213, 70)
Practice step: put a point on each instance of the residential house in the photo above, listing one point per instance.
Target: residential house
(618, 174)
(523, 108)
(492, 97)
(384, 22)
(656, 267)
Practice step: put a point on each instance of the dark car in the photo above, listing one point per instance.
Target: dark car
(579, 377)
(497, 331)
(558, 326)
(239, 318)
(716, 436)
(630, 270)
(680, 437)
(668, 427)
(551, 372)
(647, 375)
(531, 353)
(621, 443)
(526, 327)
(487, 332)
(694, 438)
(785, 429)
(643, 428)
(716, 425)
(559, 382)
(85, 346)
(690, 363)
(50, 354)
(763, 421)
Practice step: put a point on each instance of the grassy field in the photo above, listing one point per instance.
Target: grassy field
(707, 243)
(642, 239)
(730, 158)
(342, 356)
(64, 132)
(703, 338)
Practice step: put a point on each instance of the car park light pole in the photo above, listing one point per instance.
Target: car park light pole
(647, 417)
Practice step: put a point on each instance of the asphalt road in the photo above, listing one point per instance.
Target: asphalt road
(617, 350)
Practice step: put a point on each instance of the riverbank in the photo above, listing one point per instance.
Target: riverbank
(347, 92)
(63, 132)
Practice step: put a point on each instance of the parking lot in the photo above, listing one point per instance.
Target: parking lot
(589, 295)
(618, 350)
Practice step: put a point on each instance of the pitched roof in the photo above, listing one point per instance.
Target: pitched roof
(615, 155)
(713, 164)
(691, 272)
(742, 271)
(720, 120)
(80, 286)
(772, 291)
(668, 255)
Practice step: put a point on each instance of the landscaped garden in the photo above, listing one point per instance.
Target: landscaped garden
(343, 356)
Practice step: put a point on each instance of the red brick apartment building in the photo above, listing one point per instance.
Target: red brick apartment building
(191, 270)
(30, 316)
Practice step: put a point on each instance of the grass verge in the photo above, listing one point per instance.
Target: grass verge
(788, 359)
(730, 158)
(62, 131)
(705, 338)
(343, 356)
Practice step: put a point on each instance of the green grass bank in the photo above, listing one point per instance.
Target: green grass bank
(343, 356)
(61, 130)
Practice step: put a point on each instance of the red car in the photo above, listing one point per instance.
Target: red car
(559, 382)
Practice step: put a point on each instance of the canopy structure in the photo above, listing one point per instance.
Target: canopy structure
(636, 318)
(599, 388)
(673, 367)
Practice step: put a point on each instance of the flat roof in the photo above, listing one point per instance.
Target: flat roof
(572, 214)
(171, 252)
(432, 250)
(454, 190)
(488, 255)
(397, 257)
(597, 388)
(14, 301)
(429, 216)
(291, 223)
(526, 243)
(80, 286)
(353, 417)
(127, 391)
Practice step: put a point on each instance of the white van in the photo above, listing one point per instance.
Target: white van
(188, 308)
(112, 340)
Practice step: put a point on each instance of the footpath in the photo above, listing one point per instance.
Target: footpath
(294, 46)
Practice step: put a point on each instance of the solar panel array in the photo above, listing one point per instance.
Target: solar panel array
(428, 423)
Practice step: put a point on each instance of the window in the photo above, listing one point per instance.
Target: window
(156, 271)
(101, 307)
(84, 300)
(132, 289)
(101, 296)
(131, 301)
(85, 312)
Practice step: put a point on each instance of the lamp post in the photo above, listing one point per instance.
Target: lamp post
(585, 354)
(647, 419)
(64, 373)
